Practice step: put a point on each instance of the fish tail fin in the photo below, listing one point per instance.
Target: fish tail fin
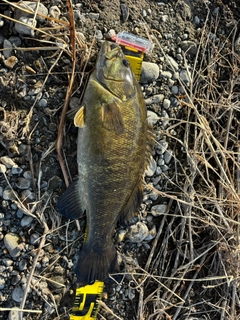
(96, 264)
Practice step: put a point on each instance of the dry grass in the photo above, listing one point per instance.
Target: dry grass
(193, 268)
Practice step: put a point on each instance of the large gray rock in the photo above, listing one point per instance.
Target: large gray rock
(150, 72)
(25, 26)
(31, 6)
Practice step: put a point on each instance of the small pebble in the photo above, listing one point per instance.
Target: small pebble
(152, 234)
(170, 83)
(54, 183)
(149, 172)
(125, 12)
(13, 314)
(20, 213)
(3, 168)
(26, 221)
(159, 209)
(7, 45)
(166, 103)
(189, 47)
(149, 11)
(54, 12)
(45, 261)
(8, 194)
(164, 168)
(152, 117)
(196, 20)
(120, 235)
(11, 243)
(16, 169)
(111, 33)
(7, 262)
(10, 62)
(157, 98)
(15, 40)
(1, 22)
(185, 76)
(22, 265)
(165, 120)
(168, 156)
(162, 146)
(17, 294)
(35, 239)
(42, 103)
(164, 17)
(144, 13)
(158, 171)
(94, 16)
(174, 89)
(2, 283)
(166, 74)
(27, 175)
(23, 183)
(172, 63)
(27, 195)
(98, 35)
(160, 162)
(58, 283)
(74, 103)
(9, 163)
(137, 232)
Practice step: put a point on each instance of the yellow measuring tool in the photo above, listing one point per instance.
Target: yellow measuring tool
(135, 58)
(86, 305)
(134, 48)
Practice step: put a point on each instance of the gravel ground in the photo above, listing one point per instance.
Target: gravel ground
(33, 85)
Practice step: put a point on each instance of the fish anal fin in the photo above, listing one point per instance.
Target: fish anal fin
(132, 205)
(79, 119)
(69, 204)
(112, 118)
(95, 264)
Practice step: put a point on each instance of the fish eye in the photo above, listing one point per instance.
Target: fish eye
(126, 63)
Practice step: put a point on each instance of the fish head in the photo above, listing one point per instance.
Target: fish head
(114, 72)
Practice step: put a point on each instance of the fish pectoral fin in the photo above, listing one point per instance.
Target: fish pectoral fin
(79, 119)
(112, 117)
(69, 204)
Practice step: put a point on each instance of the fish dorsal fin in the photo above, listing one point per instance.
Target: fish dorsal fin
(133, 204)
(150, 145)
(136, 197)
(79, 119)
(112, 118)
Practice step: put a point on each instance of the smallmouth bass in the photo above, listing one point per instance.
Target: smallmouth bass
(112, 155)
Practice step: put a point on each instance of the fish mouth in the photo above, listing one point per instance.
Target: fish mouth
(113, 51)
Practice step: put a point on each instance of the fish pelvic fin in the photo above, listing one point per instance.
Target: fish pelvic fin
(95, 264)
(69, 204)
(112, 118)
(79, 119)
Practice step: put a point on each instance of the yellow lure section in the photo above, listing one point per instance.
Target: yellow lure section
(86, 305)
